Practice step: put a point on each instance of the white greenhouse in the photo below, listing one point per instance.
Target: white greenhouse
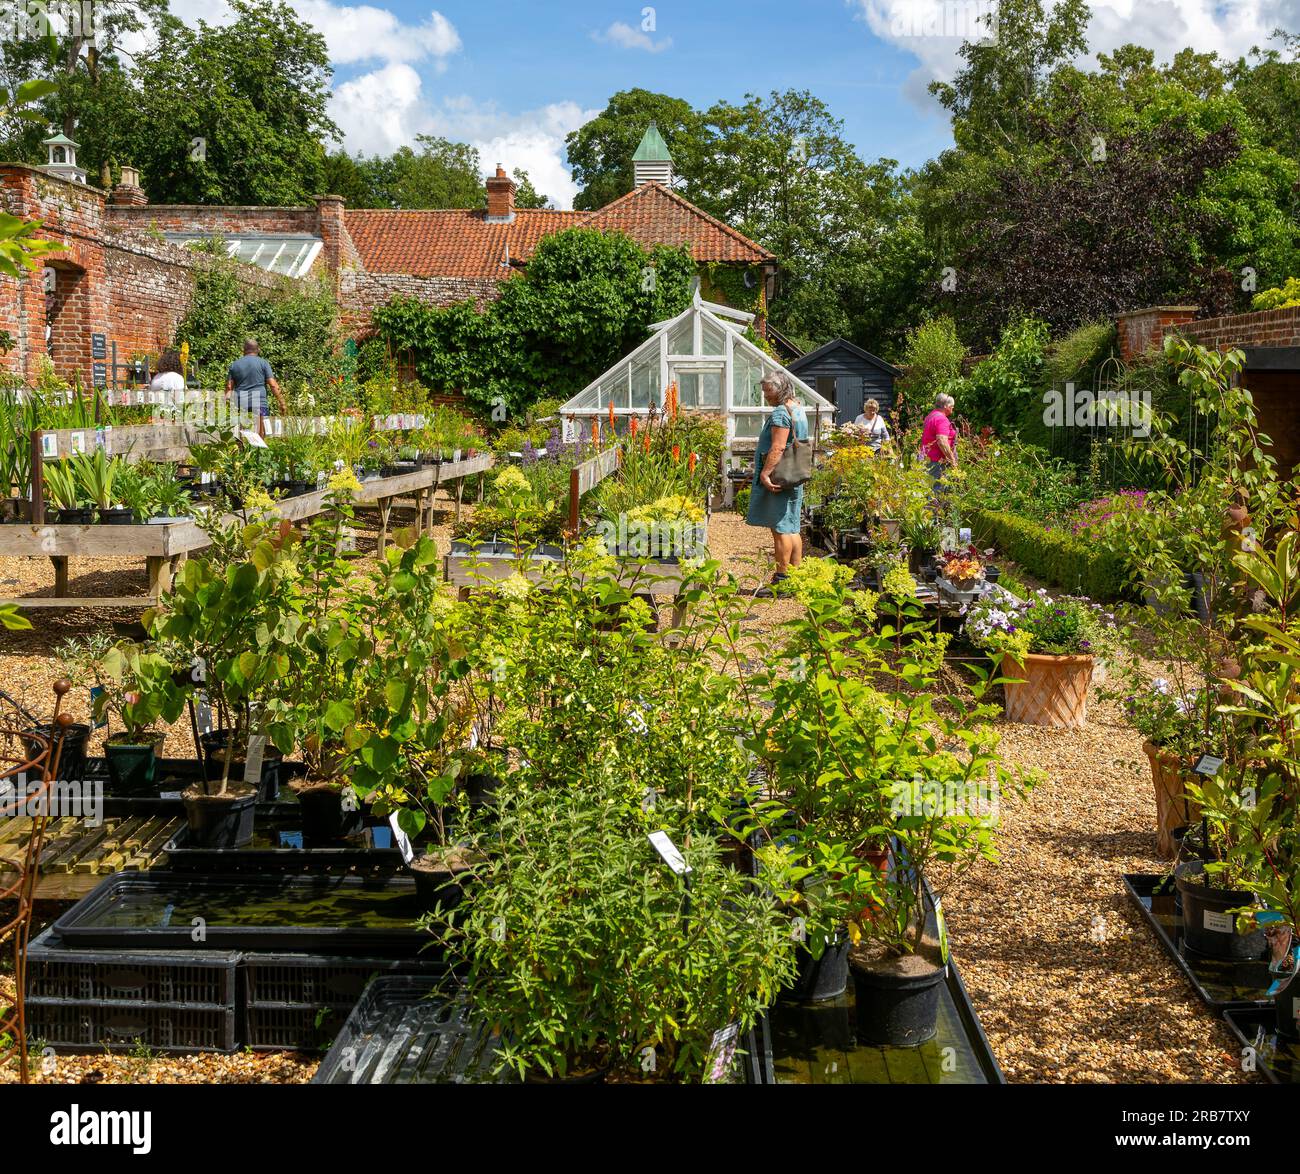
(717, 371)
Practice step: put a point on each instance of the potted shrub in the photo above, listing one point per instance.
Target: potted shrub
(136, 687)
(886, 787)
(1045, 649)
(230, 617)
(64, 490)
(98, 474)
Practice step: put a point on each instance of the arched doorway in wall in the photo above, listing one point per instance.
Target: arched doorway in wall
(66, 323)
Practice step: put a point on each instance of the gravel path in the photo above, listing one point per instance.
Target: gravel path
(1068, 982)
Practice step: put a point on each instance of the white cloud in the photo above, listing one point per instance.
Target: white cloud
(933, 30)
(626, 37)
(354, 33)
(382, 110)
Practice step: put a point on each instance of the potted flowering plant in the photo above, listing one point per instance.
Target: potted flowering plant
(890, 792)
(1045, 648)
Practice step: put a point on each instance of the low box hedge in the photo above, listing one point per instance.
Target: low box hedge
(1053, 556)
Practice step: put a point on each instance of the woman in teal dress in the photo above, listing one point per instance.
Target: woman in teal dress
(776, 509)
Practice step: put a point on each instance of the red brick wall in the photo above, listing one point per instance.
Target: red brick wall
(360, 293)
(1142, 330)
(1265, 328)
(217, 221)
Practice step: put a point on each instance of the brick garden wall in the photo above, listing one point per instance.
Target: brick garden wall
(1265, 328)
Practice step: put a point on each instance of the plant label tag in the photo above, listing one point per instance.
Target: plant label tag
(942, 926)
(50, 446)
(1208, 765)
(382, 838)
(253, 759)
(101, 439)
(963, 536)
(291, 840)
(96, 691)
(169, 795)
(722, 1052)
(1218, 922)
(77, 442)
(252, 438)
(401, 839)
(668, 850)
(203, 714)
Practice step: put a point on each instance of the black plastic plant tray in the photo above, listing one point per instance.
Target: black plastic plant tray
(1277, 1060)
(409, 1029)
(276, 831)
(305, 914)
(58, 971)
(1221, 985)
(814, 1043)
(399, 1034)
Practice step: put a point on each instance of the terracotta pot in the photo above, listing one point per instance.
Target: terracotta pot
(1051, 690)
(1169, 776)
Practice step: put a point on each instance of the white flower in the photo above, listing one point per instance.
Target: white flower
(1161, 686)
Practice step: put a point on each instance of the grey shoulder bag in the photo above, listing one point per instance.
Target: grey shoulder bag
(795, 467)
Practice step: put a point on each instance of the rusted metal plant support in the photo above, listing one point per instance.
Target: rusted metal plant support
(29, 765)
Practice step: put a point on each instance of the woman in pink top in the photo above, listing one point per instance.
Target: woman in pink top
(939, 439)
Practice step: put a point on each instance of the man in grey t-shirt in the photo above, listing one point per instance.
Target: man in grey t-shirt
(248, 379)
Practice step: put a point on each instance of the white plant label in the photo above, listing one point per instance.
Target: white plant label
(49, 446)
(77, 442)
(1208, 765)
(722, 1051)
(253, 759)
(668, 850)
(1218, 922)
(252, 438)
(169, 795)
(401, 839)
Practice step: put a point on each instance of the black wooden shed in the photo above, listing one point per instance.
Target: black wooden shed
(848, 376)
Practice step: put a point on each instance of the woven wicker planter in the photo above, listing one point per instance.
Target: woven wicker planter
(1169, 775)
(1053, 690)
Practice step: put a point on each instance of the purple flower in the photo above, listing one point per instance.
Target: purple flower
(528, 454)
(554, 445)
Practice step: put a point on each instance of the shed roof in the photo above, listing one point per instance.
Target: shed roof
(813, 357)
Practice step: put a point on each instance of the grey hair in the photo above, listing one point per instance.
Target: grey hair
(872, 403)
(251, 347)
(782, 382)
(944, 400)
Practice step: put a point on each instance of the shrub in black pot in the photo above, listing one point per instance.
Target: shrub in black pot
(118, 516)
(72, 739)
(213, 746)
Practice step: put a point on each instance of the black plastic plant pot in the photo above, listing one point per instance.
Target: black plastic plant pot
(820, 979)
(1287, 1005)
(1209, 920)
(324, 820)
(213, 748)
(132, 765)
(220, 821)
(992, 574)
(896, 1010)
(72, 757)
(298, 488)
(436, 884)
(77, 517)
(117, 517)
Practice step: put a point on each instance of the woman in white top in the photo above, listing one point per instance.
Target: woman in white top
(874, 423)
(169, 377)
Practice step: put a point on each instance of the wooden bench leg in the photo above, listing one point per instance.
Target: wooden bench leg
(385, 508)
(460, 493)
(161, 572)
(60, 562)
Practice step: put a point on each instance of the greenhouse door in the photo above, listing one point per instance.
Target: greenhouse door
(699, 385)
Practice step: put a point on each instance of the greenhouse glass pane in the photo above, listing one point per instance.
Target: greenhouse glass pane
(585, 402)
(615, 391)
(713, 340)
(700, 389)
(645, 383)
(749, 426)
(746, 382)
(681, 340)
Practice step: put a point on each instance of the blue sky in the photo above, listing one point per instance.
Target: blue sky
(515, 78)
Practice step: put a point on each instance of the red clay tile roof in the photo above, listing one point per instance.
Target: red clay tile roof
(656, 215)
(448, 242)
(458, 243)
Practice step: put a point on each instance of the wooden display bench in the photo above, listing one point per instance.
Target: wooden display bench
(163, 547)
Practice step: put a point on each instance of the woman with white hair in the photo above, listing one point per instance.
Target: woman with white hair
(778, 508)
(939, 439)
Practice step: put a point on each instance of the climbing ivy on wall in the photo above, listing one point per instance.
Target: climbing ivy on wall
(586, 299)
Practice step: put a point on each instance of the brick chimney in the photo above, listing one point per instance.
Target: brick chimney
(500, 198)
(128, 190)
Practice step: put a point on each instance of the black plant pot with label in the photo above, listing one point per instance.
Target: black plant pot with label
(219, 821)
(77, 517)
(894, 1009)
(1209, 920)
(72, 756)
(820, 979)
(117, 517)
(324, 818)
(212, 745)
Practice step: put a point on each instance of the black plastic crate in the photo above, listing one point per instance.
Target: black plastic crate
(58, 971)
(399, 1034)
(310, 980)
(293, 1027)
(91, 1025)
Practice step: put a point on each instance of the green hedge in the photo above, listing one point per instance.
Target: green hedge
(1052, 555)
